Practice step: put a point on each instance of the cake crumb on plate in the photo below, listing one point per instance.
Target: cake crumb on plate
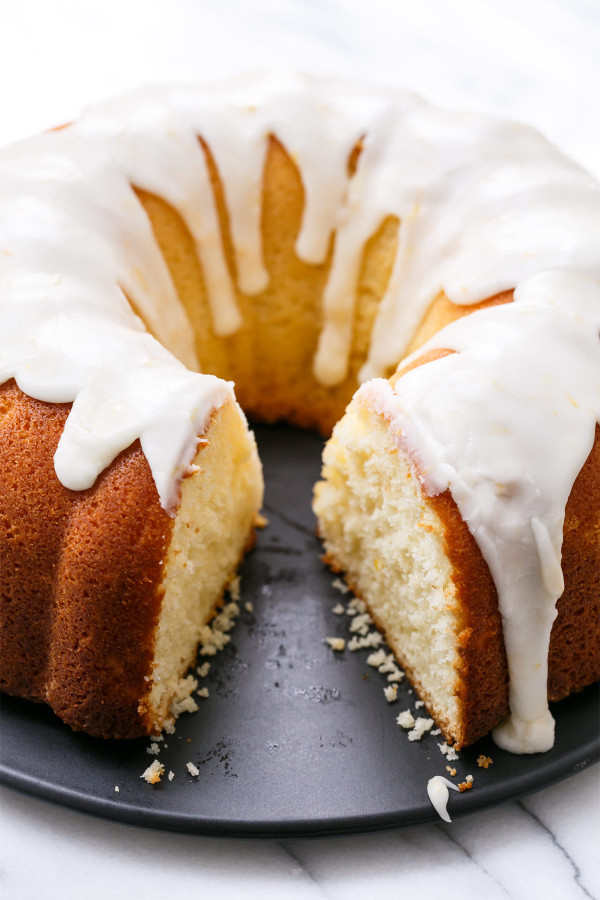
(422, 726)
(405, 719)
(336, 643)
(449, 752)
(154, 772)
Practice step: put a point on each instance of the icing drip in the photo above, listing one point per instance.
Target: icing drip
(70, 335)
(483, 203)
(437, 791)
(506, 423)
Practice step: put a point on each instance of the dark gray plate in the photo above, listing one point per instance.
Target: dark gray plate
(293, 739)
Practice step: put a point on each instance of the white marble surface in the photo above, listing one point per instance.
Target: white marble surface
(538, 62)
(543, 847)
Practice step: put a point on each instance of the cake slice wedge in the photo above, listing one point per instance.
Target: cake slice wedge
(412, 559)
(119, 591)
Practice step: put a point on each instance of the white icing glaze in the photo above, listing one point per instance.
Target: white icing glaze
(437, 791)
(484, 206)
(506, 424)
(68, 260)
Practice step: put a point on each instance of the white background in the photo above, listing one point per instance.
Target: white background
(537, 61)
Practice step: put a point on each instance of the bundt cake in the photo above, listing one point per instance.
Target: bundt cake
(298, 236)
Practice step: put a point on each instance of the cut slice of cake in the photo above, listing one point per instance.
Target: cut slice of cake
(402, 554)
(118, 590)
(412, 559)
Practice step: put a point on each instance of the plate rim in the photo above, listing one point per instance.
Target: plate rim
(570, 763)
(577, 748)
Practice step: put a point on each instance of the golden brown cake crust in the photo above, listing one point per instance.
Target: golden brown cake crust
(482, 683)
(79, 602)
(574, 657)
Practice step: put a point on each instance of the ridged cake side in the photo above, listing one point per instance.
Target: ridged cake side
(85, 573)
(81, 575)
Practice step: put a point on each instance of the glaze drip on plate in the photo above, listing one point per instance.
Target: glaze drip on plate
(437, 791)
(484, 206)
